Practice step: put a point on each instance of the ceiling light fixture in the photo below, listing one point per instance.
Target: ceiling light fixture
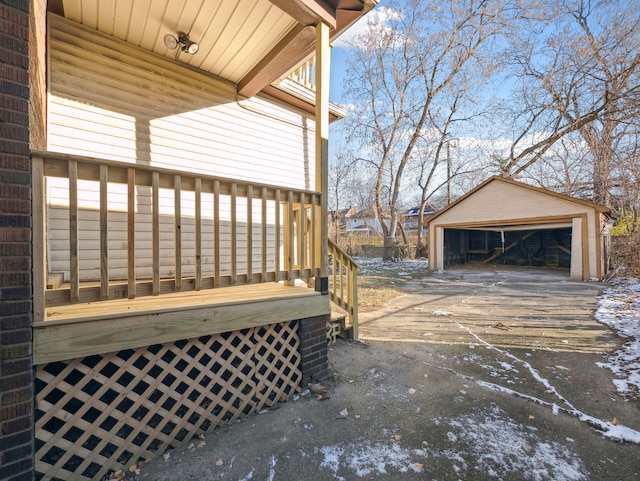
(184, 43)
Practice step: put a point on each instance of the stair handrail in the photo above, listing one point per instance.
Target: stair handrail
(343, 284)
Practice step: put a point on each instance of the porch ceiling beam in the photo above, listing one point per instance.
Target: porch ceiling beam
(308, 12)
(300, 42)
(283, 58)
(56, 6)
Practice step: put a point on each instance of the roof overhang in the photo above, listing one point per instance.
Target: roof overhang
(252, 43)
(301, 97)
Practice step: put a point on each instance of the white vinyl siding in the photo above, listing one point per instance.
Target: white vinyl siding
(112, 101)
(106, 103)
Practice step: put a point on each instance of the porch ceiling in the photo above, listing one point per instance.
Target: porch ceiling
(252, 43)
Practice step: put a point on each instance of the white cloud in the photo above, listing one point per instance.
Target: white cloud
(378, 16)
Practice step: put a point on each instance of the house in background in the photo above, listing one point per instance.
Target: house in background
(164, 222)
(364, 223)
(506, 222)
(411, 218)
(338, 220)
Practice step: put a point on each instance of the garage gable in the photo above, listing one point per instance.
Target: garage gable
(502, 200)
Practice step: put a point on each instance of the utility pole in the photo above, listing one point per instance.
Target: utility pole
(448, 172)
(448, 141)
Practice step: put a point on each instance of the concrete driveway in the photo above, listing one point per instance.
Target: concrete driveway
(471, 375)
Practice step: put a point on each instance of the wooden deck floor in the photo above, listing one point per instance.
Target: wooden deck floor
(107, 326)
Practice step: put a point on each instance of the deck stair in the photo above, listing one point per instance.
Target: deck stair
(343, 291)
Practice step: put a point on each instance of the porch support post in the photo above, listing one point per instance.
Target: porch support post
(322, 147)
(313, 349)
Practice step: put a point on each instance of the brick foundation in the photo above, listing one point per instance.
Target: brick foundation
(313, 348)
(16, 303)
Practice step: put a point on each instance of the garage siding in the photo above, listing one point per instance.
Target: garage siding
(500, 202)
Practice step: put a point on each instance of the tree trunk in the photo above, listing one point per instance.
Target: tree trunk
(387, 252)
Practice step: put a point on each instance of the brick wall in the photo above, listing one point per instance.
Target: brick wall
(313, 349)
(16, 304)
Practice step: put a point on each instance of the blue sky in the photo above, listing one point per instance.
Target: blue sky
(341, 46)
(338, 72)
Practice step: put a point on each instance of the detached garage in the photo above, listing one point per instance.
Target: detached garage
(510, 223)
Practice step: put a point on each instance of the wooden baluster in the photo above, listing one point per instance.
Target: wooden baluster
(131, 232)
(277, 236)
(312, 235)
(104, 233)
(263, 237)
(74, 263)
(249, 249)
(177, 192)
(198, 200)
(302, 227)
(354, 300)
(334, 267)
(290, 245)
(216, 233)
(155, 227)
(234, 233)
(342, 279)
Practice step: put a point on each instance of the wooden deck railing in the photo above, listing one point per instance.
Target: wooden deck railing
(306, 74)
(115, 214)
(343, 284)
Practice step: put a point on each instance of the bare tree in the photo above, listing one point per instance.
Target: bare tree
(566, 169)
(430, 159)
(578, 69)
(340, 193)
(397, 74)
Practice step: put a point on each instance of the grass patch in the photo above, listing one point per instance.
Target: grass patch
(379, 282)
(375, 291)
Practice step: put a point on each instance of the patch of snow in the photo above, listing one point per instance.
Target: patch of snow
(365, 459)
(501, 447)
(619, 309)
(248, 477)
(331, 457)
(272, 468)
(507, 367)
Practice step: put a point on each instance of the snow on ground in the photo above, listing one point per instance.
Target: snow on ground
(497, 447)
(500, 447)
(608, 429)
(619, 308)
(365, 459)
